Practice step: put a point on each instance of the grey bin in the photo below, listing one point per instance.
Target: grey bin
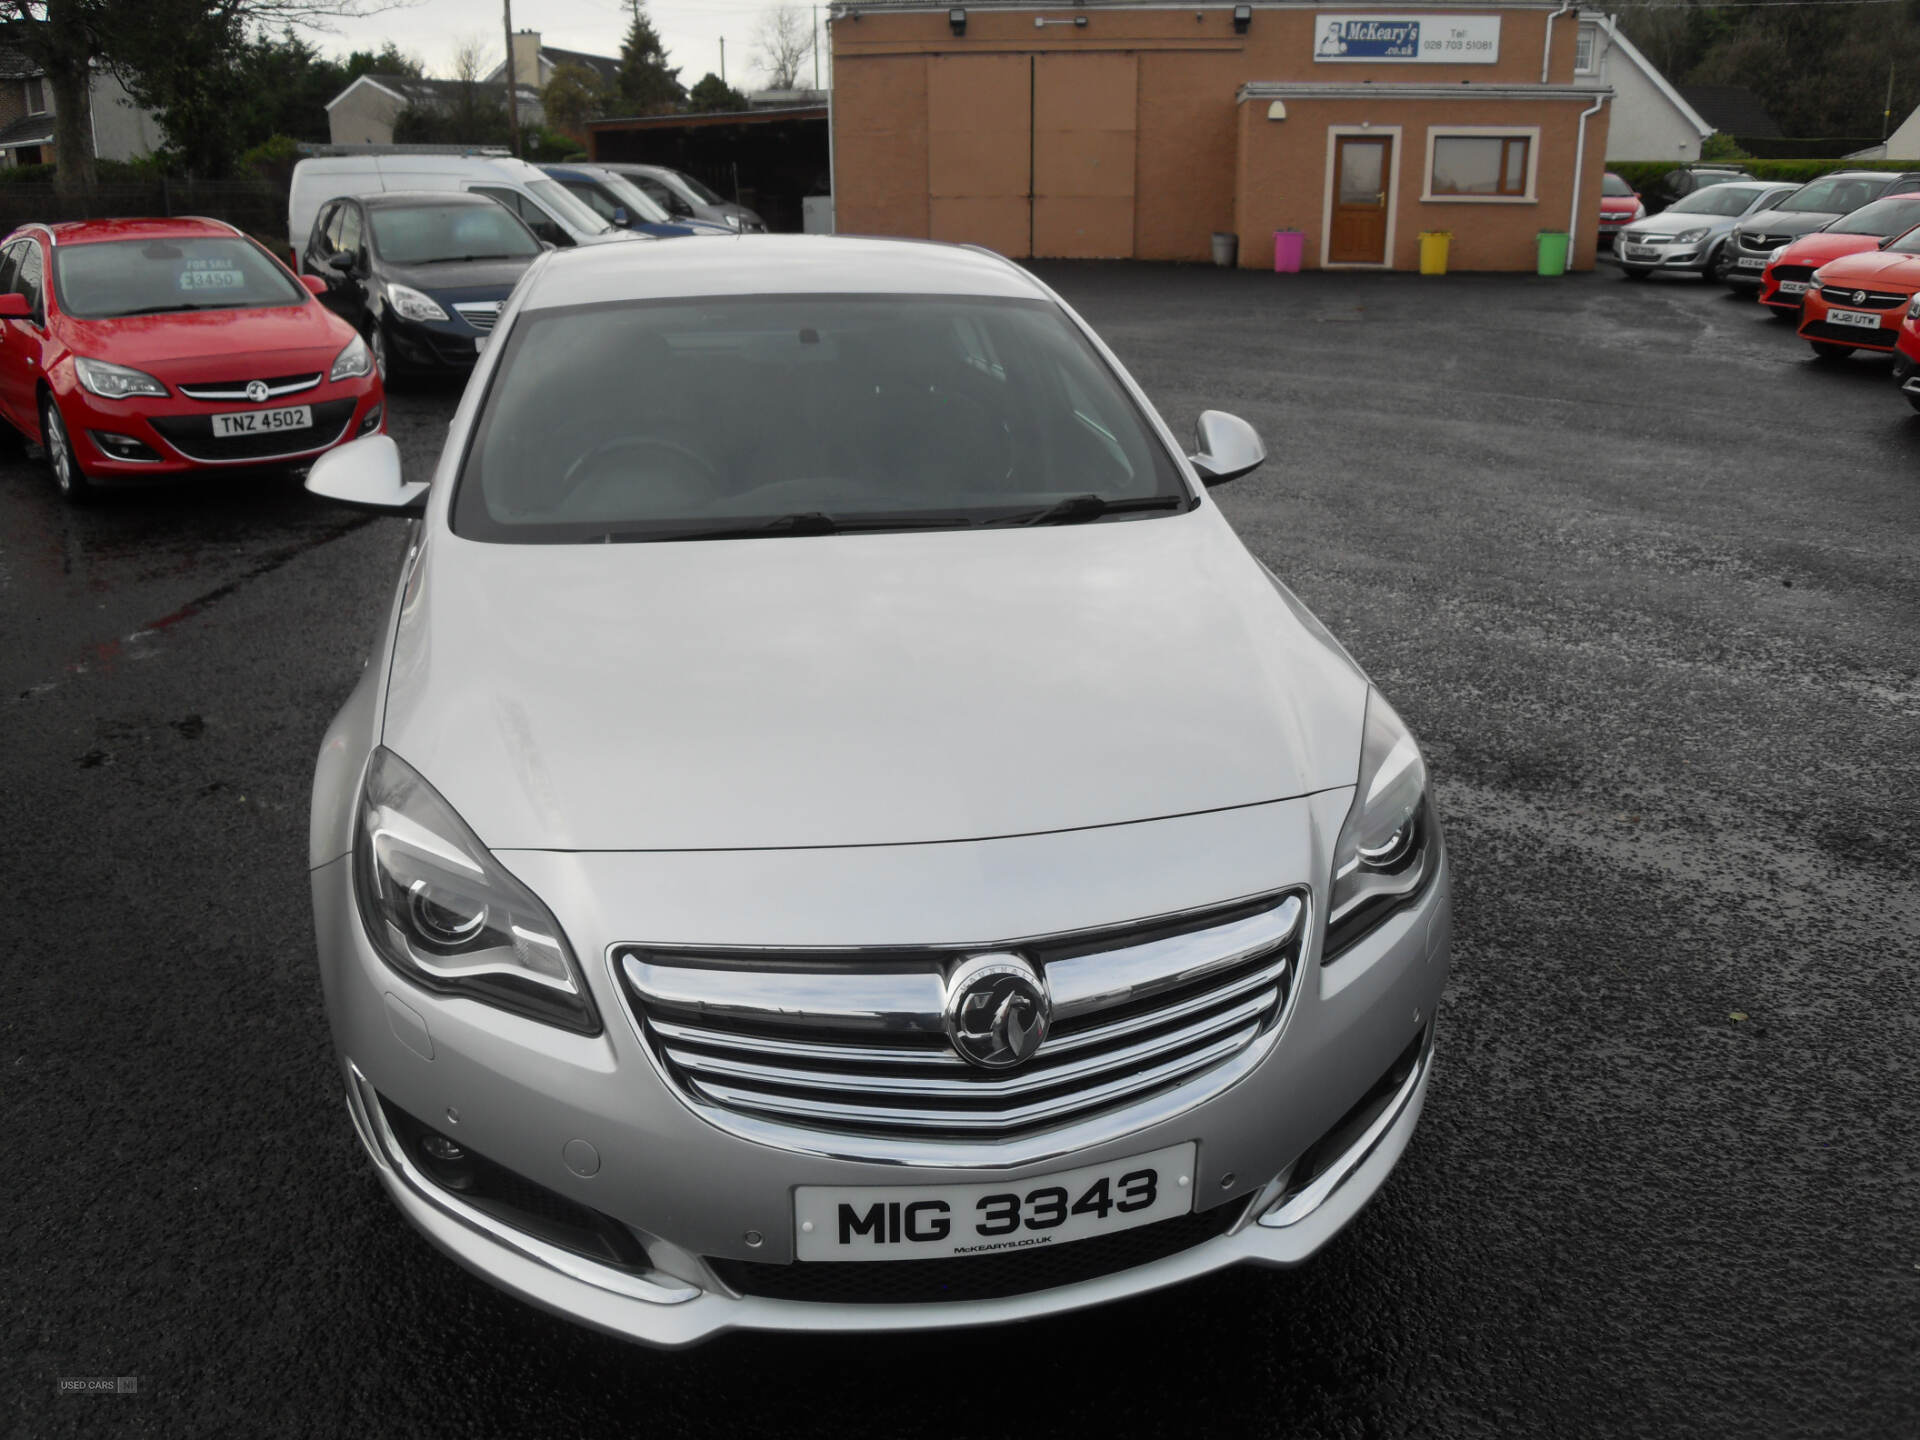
(1226, 248)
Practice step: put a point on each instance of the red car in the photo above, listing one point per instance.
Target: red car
(138, 348)
(1620, 205)
(1906, 357)
(1790, 271)
(1859, 301)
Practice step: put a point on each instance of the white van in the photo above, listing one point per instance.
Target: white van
(551, 212)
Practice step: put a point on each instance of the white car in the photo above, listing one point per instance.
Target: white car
(838, 833)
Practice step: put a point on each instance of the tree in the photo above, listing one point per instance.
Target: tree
(648, 85)
(389, 59)
(572, 97)
(782, 45)
(153, 43)
(714, 94)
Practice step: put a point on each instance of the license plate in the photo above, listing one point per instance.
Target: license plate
(1751, 262)
(1859, 319)
(1641, 252)
(922, 1222)
(1793, 287)
(263, 422)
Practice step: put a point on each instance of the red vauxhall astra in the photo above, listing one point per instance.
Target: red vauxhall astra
(139, 348)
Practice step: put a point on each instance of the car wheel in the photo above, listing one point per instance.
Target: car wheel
(1913, 400)
(1901, 369)
(1633, 274)
(1719, 266)
(1824, 351)
(75, 488)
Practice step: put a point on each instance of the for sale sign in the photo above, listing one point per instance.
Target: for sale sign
(1407, 39)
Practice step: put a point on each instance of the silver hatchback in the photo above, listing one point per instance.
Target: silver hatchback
(1695, 233)
(838, 833)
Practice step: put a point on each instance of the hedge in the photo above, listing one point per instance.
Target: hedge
(1641, 174)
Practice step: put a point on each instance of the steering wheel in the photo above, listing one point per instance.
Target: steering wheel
(579, 476)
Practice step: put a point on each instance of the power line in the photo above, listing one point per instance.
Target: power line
(1749, 4)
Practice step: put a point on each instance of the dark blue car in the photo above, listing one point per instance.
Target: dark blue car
(621, 202)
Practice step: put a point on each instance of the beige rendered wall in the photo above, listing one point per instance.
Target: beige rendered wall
(1283, 179)
(365, 117)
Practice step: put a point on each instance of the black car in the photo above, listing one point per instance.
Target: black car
(421, 274)
(1678, 183)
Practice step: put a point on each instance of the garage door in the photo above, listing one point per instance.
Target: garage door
(979, 150)
(1083, 147)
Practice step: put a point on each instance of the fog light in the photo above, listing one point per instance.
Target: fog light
(122, 447)
(440, 1148)
(371, 423)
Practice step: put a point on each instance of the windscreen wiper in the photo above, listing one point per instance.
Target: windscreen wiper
(803, 522)
(173, 310)
(1077, 509)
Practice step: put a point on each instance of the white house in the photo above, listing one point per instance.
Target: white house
(121, 129)
(1650, 120)
(1902, 144)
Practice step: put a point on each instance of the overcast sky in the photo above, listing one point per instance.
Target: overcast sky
(691, 30)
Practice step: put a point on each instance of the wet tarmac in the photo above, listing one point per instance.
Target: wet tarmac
(1643, 575)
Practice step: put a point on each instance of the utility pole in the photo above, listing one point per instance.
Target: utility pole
(723, 59)
(816, 49)
(513, 90)
(1886, 115)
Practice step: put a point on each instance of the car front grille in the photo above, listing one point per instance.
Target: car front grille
(855, 1044)
(1881, 339)
(193, 437)
(1762, 242)
(1783, 273)
(482, 315)
(976, 1277)
(1862, 299)
(236, 390)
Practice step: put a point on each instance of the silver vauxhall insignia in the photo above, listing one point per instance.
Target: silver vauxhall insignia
(834, 811)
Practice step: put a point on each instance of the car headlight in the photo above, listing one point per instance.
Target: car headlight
(1386, 849)
(1690, 237)
(1913, 308)
(1773, 255)
(1816, 278)
(353, 361)
(411, 304)
(445, 914)
(114, 382)
(733, 221)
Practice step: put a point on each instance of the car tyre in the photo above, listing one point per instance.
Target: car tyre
(1719, 265)
(1633, 274)
(1823, 351)
(382, 361)
(75, 487)
(1911, 399)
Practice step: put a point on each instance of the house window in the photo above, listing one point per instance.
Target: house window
(1480, 164)
(36, 97)
(1585, 39)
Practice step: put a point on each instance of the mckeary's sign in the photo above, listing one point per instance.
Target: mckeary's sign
(1409, 39)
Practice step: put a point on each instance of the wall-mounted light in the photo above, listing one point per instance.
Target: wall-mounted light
(1242, 18)
(1040, 22)
(957, 18)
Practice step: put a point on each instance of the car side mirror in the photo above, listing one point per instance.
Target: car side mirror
(314, 283)
(15, 306)
(620, 217)
(548, 245)
(1228, 447)
(366, 475)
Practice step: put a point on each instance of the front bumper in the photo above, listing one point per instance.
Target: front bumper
(692, 1194)
(1815, 326)
(1662, 255)
(439, 347)
(174, 436)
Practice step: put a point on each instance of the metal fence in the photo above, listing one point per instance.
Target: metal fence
(258, 207)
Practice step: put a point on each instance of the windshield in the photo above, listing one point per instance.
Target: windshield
(575, 214)
(707, 418)
(433, 234)
(1892, 216)
(607, 193)
(1835, 195)
(1614, 185)
(696, 189)
(1715, 200)
(1907, 244)
(153, 277)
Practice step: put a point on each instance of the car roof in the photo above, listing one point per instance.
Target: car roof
(774, 264)
(178, 227)
(381, 199)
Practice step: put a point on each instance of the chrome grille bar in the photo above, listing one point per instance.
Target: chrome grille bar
(854, 1043)
(237, 389)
